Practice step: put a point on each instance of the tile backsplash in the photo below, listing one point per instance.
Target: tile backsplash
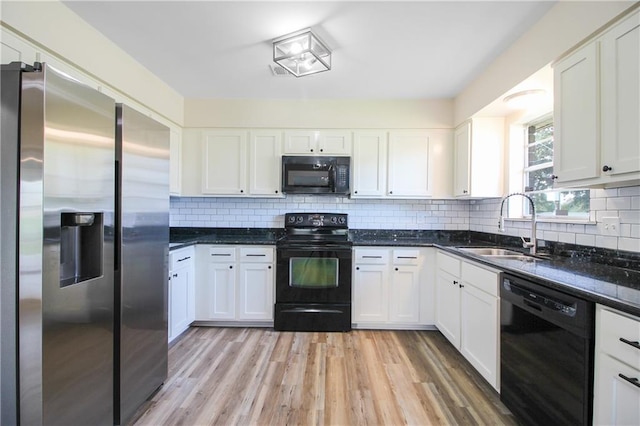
(616, 202)
(363, 214)
(473, 215)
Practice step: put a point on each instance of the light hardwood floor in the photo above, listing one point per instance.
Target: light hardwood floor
(243, 376)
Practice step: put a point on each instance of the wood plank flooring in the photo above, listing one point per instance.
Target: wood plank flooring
(252, 376)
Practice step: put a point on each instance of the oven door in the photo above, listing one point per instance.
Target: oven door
(313, 274)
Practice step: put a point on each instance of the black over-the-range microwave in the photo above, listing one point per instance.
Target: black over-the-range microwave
(315, 175)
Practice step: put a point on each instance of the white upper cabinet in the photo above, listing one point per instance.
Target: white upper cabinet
(224, 167)
(317, 142)
(14, 49)
(409, 164)
(369, 164)
(620, 112)
(596, 110)
(575, 98)
(478, 153)
(265, 152)
(175, 162)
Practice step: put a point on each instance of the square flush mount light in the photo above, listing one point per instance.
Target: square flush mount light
(301, 53)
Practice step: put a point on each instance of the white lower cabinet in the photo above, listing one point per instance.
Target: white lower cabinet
(617, 368)
(467, 312)
(235, 283)
(391, 288)
(181, 291)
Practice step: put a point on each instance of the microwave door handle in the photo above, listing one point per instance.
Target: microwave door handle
(333, 176)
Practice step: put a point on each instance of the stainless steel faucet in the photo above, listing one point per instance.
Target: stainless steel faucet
(531, 244)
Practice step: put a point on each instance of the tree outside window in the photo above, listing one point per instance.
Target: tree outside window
(538, 172)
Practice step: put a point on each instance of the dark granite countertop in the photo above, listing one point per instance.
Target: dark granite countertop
(604, 276)
(182, 237)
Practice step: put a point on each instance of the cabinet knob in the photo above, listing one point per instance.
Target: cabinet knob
(175, 275)
(269, 266)
(321, 150)
(390, 192)
(554, 177)
(396, 269)
(311, 149)
(455, 283)
(606, 168)
(241, 191)
(276, 191)
(357, 268)
(461, 286)
(355, 192)
(464, 191)
(230, 266)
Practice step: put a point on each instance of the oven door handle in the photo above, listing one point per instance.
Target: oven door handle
(312, 311)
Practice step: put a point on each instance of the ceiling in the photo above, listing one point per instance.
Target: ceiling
(381, 50)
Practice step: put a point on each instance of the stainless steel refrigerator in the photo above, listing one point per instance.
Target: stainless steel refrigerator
(60, 226)
(83, 252)
(142, 151)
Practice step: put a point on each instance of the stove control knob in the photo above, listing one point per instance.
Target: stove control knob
(342, 220)
(334, 219)
(292, 219)
(299, 219)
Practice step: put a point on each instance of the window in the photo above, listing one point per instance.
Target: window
(538, 181)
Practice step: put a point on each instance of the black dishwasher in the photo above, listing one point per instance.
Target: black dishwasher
(546, 354)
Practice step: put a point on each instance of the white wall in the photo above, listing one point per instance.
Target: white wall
(57, 30)
(564, 26)
(315, 113)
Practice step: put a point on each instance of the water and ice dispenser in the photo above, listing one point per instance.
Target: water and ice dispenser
(81, 246)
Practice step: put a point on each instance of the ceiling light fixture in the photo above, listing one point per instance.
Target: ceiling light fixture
(301, 53)
(525, 98)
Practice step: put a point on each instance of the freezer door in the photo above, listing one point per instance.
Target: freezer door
(143, 158)
(66, 264)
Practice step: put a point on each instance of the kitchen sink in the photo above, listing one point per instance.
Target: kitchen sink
(490, 251)
(521, 257)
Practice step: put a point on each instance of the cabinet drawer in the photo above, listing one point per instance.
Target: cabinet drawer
(620, 336)
(406, 257)
(483, 279)
(222, 254)
(256, 254)
(180, 258)
(449, 264)
(371, 256)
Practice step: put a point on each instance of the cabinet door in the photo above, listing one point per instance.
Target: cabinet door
(404, 294)
(620, 59)
(225, 157)
(300, 142)
(462, 150)
(334, 142)
(370, 294)
(256, 291)
(216, 299)
(479, 331)
(265, 152)
(448, 307)
(175, 160)
(15, 49)
(576, 134)
(408, 164)
(369, 164)
(616, 400)
(178, 302)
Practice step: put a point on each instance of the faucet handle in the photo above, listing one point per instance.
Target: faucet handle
(525, 243)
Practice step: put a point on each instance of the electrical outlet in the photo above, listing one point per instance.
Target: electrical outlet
(610, 226)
